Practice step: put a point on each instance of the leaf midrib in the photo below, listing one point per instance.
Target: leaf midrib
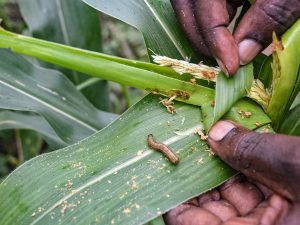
(64, 30)
(54, 108)
(166, 29)
(177, 137)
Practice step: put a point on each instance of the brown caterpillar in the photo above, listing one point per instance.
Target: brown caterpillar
(172, 157)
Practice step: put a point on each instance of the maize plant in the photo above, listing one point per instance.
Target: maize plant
(110, 175)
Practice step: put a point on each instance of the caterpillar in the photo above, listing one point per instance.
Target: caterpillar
(172, 157)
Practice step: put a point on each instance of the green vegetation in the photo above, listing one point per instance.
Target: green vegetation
(61, 101)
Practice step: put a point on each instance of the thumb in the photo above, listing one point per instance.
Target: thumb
(271, 159)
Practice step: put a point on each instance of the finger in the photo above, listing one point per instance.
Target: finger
(193, 216)
(273, 160)
(292, 217)
(193, 201)
(259, 211)
(241, 221)
(266, 191)
(222, 209)
(265, 17)
(243, 195)
(184, 11)
(212, 18)
(171, 216)
(212, 195)
(277, 208)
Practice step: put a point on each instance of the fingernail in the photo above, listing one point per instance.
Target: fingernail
(248, 49)
(222, 66)
(220, 130)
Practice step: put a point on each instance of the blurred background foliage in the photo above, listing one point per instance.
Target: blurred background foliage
(114, 38)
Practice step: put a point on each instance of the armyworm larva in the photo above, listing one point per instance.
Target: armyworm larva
(173, 158)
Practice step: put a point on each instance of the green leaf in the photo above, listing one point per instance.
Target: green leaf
(27, 87)
(257, 118)
(291, 124)
(286, 74)
(113, 176)
(133, 73)
(69, 22)
(19, 120)
(155, 19)
(228, 92)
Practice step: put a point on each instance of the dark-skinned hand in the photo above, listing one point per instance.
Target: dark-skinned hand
(205, 24)
(268, 192)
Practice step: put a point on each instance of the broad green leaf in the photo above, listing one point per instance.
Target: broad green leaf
(37, 48)
(291, 124)
(27, 87)
(257, 118)
(286, 74)
(133, 73)
(69, 22)
(155, 19)
(18, 120)
(112, 176)
(141, 75)
(228, 92)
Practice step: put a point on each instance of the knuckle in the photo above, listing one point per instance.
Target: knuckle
(282, 13)
(249, 142)
(247, 149)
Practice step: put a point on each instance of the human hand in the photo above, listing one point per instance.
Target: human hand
(205, 24)
(269, 195)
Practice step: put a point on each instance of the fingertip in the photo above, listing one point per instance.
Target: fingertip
(233, 68)
(222, 66)
(220, 130)
(217, 135)
(223, 139)
(229, 65)
(225, 51)
(248, 49)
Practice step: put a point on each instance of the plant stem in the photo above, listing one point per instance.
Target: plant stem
(137, 74)
(126, 95)
(286, 75)
(19, 147)
(87, 83)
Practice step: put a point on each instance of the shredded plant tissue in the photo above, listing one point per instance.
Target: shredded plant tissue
(199, 71)
(258, 92)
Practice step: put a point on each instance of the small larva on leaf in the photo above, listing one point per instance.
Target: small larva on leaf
(172, 157)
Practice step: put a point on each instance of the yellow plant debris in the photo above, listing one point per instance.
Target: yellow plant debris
(199, 71)
(199, 131)
(245, 114)
(169, 104)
